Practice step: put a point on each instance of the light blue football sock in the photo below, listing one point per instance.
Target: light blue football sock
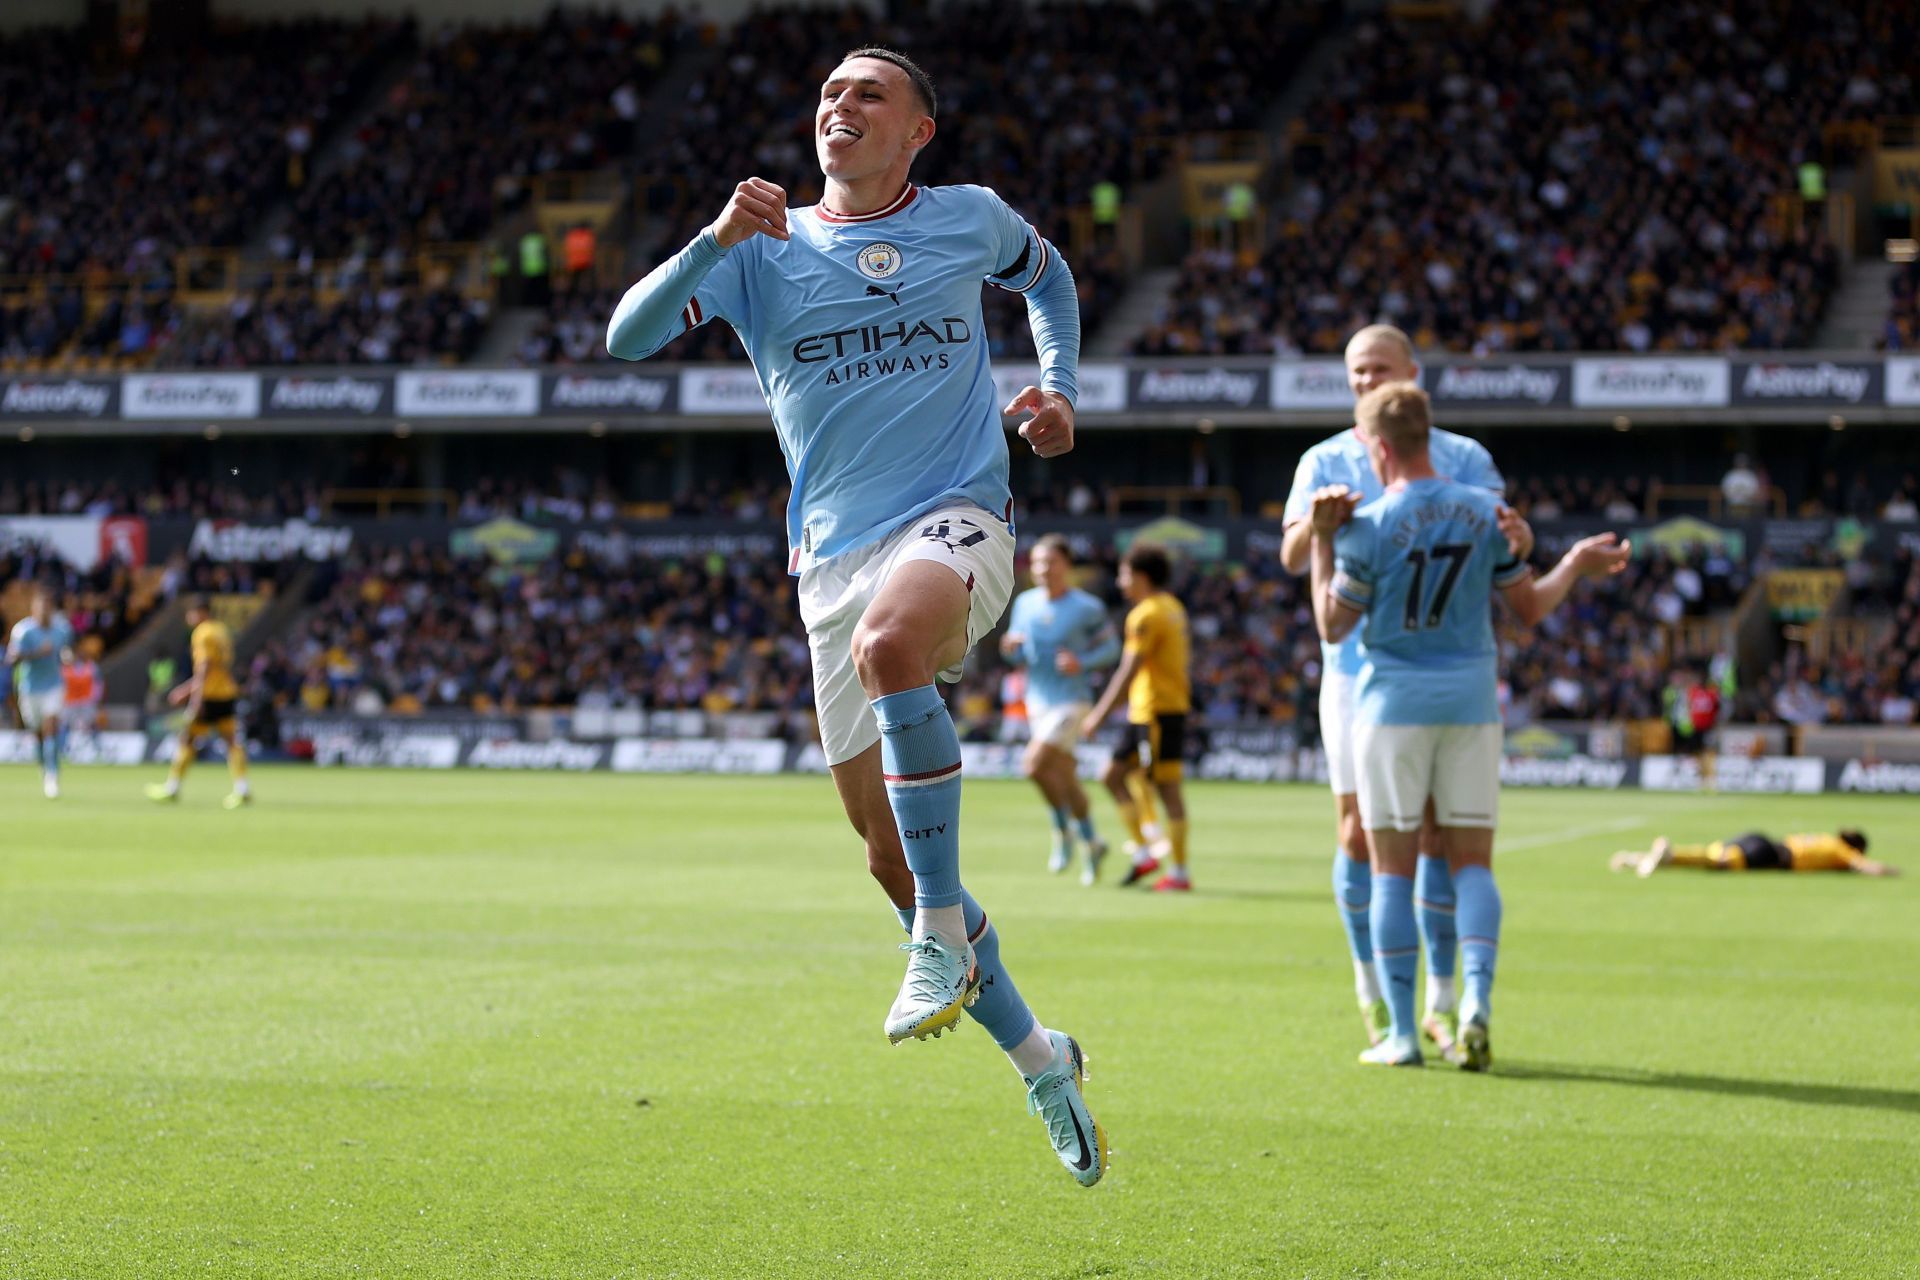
(1085, 827)
(1479, 918)
(1396, 947)
(1353, 894)
(1000, 1009)
(1433, 899)
(920, 754)
(50, 753)
(1061, 821)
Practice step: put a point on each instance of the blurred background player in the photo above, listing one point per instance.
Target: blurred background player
(1058, 634)
(1419, 565)
(85, 690)
(1844, 850)
(40, 642)
(1377, 355)
(1154, 677)
(209, 695)
(899, 524)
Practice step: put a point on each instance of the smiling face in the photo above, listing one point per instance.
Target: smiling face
(1050, 569)
(870, 121)
(1375, 360)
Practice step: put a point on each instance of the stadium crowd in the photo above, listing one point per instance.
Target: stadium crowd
(1457, 179)
(115, 167)
(1878, 685)
(480, 112)
(1902, 331)
(406, 629)
(388, 324)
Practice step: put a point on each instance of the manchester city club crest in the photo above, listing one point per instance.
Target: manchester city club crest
(879, 260)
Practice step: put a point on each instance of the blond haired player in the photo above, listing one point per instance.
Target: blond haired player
(1153, 676)
(1377, 355)
(1414, 571)
(209, 696)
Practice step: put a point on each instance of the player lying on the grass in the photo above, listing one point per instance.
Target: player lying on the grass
(1844, 850)
(1377, 355)
(1060, 633)
(39, 643)
(1153, 675)
(1415, 570)
(210, 695)
(863, 317)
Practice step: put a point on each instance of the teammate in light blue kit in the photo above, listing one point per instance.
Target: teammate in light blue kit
(863, 318)
(1377, 355)
(1060, 633)
(1420, 564)
(39, 643)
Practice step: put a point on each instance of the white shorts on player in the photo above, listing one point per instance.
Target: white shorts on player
(1058, 726)
(1337, 731)
(37, 709)
(1402, 765)
(835, 594)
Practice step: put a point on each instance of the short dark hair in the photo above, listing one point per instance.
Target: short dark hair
(198, 603)
(1151, 563)
(1057, 544)
(1856, 839)
(922, 82)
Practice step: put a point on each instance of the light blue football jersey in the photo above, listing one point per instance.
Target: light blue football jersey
(40, 671)
(1423, 561)
(1343, 459)
(1077, 622)
(869, 342)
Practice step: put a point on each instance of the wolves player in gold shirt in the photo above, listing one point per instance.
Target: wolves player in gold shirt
(1153, 675)
(1842, 851)
(209, 696)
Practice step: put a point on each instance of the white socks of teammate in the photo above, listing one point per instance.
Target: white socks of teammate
(1366, 982)
(948, 925)
(1440, 994)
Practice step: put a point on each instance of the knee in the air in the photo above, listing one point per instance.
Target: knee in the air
(879, 651)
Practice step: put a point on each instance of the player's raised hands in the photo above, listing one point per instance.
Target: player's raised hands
(1050, 428)
(1600, 556)
(758, 208)
(1333, 504)
(1518, 533)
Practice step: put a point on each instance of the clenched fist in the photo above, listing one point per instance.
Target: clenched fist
(1050, 428)
(758, 207)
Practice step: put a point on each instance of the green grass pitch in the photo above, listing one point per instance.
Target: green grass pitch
(462, 1025)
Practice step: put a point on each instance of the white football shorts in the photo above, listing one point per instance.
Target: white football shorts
(37, 708)
(1336, 730)
(1058, 726)
(1401, 765)
(976, 544)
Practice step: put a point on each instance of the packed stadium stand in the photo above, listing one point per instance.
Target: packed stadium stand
(1457, 179)
(1902, 332)
(115, 170)
(382, 203)
(408, 629)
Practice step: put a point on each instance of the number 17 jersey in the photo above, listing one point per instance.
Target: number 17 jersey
(1422, 562)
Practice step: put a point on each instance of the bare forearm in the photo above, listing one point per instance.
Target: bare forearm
(1327, 616)
(1295, 545)
(1116, 688)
